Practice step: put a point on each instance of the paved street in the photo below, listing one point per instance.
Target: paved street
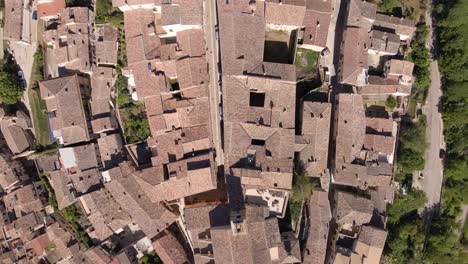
(24, 56)
(212, 56)
(433, 170)
(328, 61)
(24, 50)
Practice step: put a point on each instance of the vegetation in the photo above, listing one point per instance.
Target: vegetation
(133, 117)
(420, 56)
(391, 102)
(389, 6)
(122, 56)
(301, 191)
(405, 205)
(453, 40)
(411, 9)
(444, 244)
(444, 241)
(50, 246)
(72, 215)
(307, 60)
(50, 191)
(295, 208)
(123, 97)
(151, 258)
(412, 146)
(136, 127)
(302, 187)
(106, 13)
(405, 242)
(38, 68)
(11, 88)
(38, 107)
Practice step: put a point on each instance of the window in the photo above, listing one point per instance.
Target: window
(258, 142)
(257, 99)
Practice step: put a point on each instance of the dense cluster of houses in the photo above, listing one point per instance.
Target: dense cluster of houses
(167, 194)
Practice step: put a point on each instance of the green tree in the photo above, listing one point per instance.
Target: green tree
(123, 97)
(405, 205)
(389, 6)
(453, 40)
(420, 56)
(405, 242)
(412, 146)
(443, 243)
(151, 258)
(73, 215)
(10, 88)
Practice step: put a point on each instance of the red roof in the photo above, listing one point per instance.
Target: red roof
(50, 8)
(39, 244)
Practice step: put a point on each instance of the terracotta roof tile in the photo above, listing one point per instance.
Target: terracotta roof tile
(169, 249)
(284, 14)
(316, 28)
(110, 148)
(350, 127)
(352, 209)
(315, 135)
(152, 218)
(320, 213)
(62, 96)
(49, 8)
(191, 42)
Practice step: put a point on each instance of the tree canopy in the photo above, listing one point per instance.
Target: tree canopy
(10, 88)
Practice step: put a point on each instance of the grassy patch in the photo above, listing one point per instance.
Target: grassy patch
(50, 246)
(295, 211)
(106, 13)
(39, 117)
(301, 190)
(412, 104)
(38, 106)
(306, 60)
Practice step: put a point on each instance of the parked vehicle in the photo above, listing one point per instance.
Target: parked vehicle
(324, 52)
(442, 154)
